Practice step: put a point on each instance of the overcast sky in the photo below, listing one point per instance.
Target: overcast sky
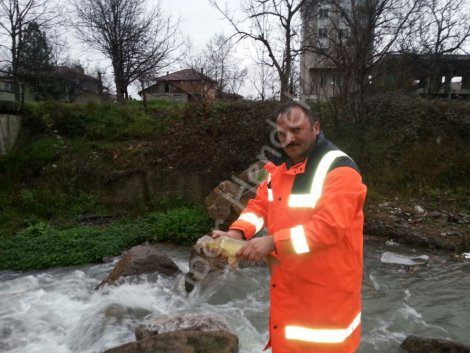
(199, 20)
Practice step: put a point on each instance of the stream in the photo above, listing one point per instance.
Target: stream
(58, 310)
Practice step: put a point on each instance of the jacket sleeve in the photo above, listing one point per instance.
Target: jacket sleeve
(338, 213)
(254, 217)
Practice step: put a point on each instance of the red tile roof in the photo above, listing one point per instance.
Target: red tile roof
(185, 75)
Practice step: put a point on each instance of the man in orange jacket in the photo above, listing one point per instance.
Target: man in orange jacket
(312, 205)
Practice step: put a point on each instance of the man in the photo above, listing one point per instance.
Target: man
(312, 205)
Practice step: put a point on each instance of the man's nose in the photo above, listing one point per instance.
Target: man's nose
(290, 137)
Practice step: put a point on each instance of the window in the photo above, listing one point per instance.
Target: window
(323, 41)
(344, 18)
(343, 35)
(9, 87)
(324, 13)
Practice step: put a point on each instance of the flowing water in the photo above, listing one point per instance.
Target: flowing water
(58, 311)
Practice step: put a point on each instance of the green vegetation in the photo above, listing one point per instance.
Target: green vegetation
(43, 245)
(94, 121)
(58, 173)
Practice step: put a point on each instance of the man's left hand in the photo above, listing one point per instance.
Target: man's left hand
(256, 249)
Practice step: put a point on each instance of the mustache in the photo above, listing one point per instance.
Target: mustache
(292, 144)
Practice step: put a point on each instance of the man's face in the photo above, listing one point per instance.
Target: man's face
(296, 134)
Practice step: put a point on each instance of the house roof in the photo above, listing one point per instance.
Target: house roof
(5, 75)
(185, 75)
(55, 72)
(73, 72)
(177, 77)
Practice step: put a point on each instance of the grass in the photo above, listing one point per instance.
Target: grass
(95, 121)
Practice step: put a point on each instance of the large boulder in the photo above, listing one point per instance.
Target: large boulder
(230, 197)
(141, 259)
(189, 321)
(416, 344)
(187, 341)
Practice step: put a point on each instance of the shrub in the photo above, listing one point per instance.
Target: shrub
(182, 225)
(9, 107)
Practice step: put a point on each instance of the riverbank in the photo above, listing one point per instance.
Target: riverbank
(91, 178)
(93, 239)
(438, 225)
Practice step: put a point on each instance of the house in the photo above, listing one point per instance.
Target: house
(7, 87)
(71, 84)
(182, 86)
(62, 83)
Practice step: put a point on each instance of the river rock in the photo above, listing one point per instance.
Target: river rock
(186, 341)
(230, 197)
(205, 322)
(416, 344)
(141, 259)
(418, 210)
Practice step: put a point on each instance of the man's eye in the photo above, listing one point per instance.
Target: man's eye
(296, 130)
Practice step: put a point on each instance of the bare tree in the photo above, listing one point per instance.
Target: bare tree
(219, 63)
(138, 41)
(276, 25)
(222, 65)
(15, 17)
(263, 78)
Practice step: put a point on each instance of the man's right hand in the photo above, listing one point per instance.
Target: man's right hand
(232, 233)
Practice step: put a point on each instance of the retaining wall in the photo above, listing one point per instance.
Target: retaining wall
(10, 126)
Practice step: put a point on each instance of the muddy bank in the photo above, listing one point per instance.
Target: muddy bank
(425, 224)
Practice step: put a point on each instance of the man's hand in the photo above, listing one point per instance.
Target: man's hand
(232, 233)
(256, 249)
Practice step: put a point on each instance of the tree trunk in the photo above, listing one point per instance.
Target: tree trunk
(285, 94)
(144, 95)
(119, 90)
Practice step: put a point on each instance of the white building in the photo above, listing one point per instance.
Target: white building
(326, 35)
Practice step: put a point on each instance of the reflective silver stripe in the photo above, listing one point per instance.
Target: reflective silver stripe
(270, 190)
(252, 218)
(322, 335)
(270, 195)
(310, 199)
(299, 241)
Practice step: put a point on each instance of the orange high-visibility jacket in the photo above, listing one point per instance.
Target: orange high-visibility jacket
(314, 211)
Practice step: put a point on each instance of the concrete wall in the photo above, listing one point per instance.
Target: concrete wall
(7, 96)
(172, 97)
(9, 129)
(132, 188)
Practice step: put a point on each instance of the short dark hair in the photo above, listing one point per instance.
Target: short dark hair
(304, 107)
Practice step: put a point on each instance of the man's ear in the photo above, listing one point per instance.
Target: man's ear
(316, 127)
